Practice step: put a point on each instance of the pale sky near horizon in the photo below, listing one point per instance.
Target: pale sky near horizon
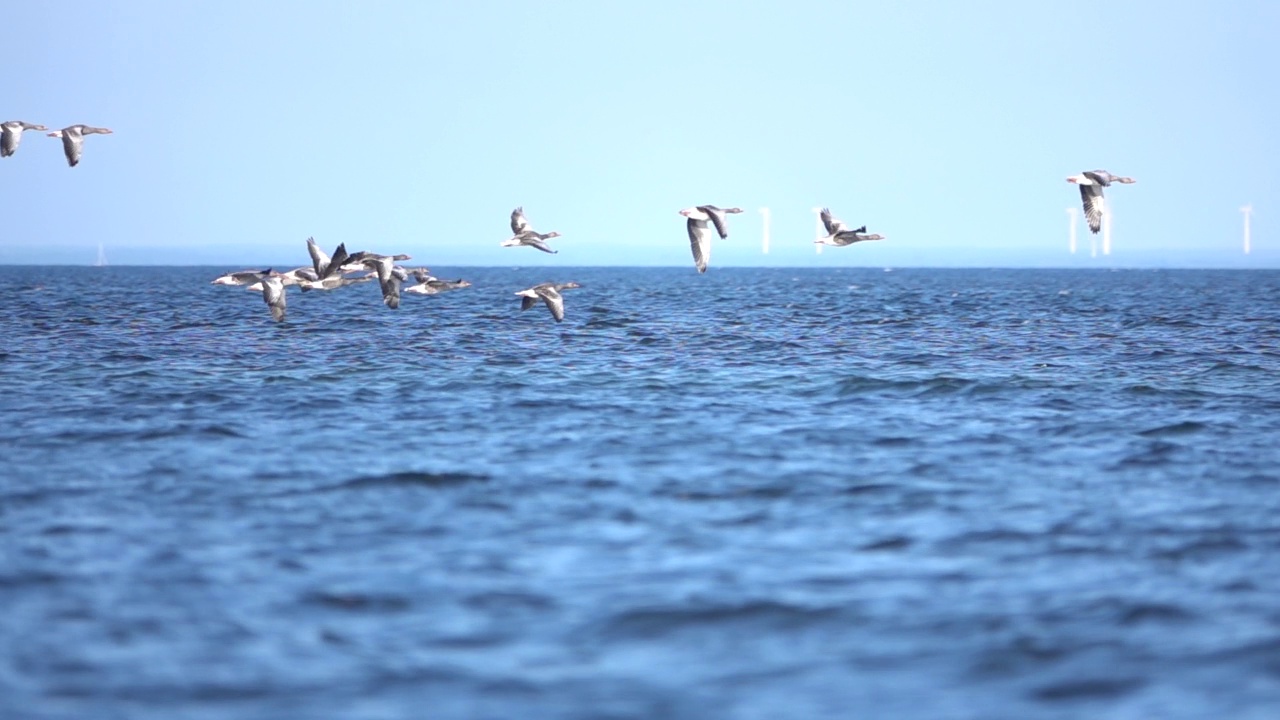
(241, 128)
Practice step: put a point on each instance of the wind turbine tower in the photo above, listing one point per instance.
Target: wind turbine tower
(764, 212)
(1248, 212)
(1072, 213)
(1106, 228)
(817, 231)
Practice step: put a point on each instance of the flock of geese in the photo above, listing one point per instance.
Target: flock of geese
(72, 138)
(703, 222)
(342, 269)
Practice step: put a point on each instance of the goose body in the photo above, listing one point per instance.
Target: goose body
(435, 286)
(524, 234)
(699, 222)
(273, 295)
(388, 280)
(324, 265)
(11, 135)
(548, 293)
(1091, 183)
(241, 277)
(296, 276)
(334, 282)
(839, 234)
(73, 140)
(848, 237)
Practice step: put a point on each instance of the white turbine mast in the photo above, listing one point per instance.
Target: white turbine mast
(1248, 213)
(1106, 228)
(1072, 213)
(817, 232)
(764, 218)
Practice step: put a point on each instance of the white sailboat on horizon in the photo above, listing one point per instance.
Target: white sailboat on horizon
(102, 257)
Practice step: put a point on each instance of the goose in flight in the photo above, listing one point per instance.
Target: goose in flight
(388, 279)
(324, 265)
(296, 276)
(549, 293)
(333, 282)
(241, 277)
(73, 140)
(11, 135)
(435, 286)
(839, 234)
(273, 295)
(1091, 183)
(700, 232)
(526, 235)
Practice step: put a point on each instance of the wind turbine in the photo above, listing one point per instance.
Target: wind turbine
(1248, 212)
(1106, 228)
(764, 212)
(1072, 213)
(817, 232)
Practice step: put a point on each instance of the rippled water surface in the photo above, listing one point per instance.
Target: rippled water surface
(752, 494)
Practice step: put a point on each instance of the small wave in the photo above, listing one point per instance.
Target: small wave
(70, 529)
(354, 600)
(409, 479)
(1088, 689)
(1186, 427)
(999, 535)
(1203, 549)
(510, 601)
(652, 623)
(189, 431)
(1157, 453)
(897, 542)
(869, 488)
(1140, 613)
(126, 357)
(607, 322)
(26, 579)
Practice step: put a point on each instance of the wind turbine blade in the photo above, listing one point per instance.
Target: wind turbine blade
(817, 233)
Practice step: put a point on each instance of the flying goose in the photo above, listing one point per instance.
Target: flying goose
(839, 234)
(526, 235)
(700, 232)
(273, 295)
(240, 277)
(549, 293)
(1091, 183)
(322, 263)
(388, 280)
(435, 286)
(11, 135)
(73, 139)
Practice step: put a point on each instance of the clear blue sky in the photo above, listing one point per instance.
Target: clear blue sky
(243, 127)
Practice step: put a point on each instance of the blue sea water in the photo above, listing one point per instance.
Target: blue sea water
(758, 493)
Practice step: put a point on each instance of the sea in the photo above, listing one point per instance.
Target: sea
(758, 493)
